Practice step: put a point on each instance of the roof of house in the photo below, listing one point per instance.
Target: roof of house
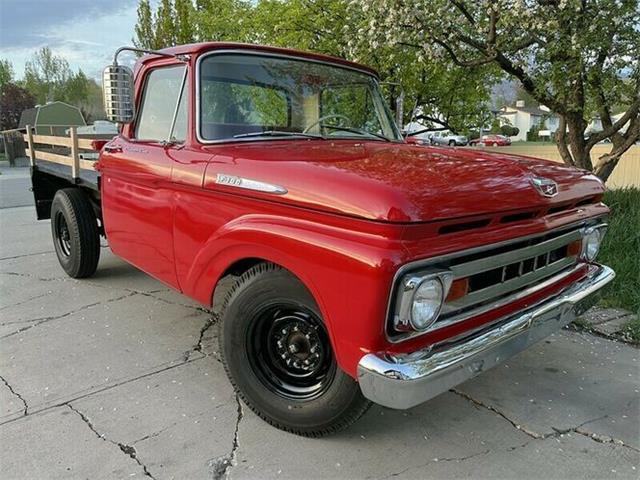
(530, 110)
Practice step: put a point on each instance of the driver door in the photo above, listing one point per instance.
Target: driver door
(137, 193)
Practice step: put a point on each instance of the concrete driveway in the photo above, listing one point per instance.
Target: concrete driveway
(118, 377)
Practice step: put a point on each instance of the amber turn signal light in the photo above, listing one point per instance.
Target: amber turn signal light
(574, 249)
(459, 288)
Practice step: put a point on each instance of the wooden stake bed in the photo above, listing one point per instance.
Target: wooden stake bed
(67, 165)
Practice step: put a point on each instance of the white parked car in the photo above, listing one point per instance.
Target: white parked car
(447, 138)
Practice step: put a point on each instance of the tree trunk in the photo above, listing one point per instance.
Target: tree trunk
(621, 142)
(571, 143)
(606, 164)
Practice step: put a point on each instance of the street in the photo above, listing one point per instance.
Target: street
(118, 376)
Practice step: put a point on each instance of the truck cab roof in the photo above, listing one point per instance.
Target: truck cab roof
(205, 47)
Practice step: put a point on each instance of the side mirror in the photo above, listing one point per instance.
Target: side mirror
(117, 88)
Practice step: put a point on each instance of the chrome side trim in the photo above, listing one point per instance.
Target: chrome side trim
(248, 184)
(403, 381)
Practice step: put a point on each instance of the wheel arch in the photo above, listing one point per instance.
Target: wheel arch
(347, 272)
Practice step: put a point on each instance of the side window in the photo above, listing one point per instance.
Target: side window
(162, 93)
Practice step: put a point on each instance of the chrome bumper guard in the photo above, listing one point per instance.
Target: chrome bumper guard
(403, 381)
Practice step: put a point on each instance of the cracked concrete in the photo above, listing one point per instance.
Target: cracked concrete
(25, 410)
(118, 376)
(221, 466)
(126, 449)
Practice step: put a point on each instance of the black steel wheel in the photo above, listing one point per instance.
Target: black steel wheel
(277, 353)
(74, 228)
(290, 351)
(62, 235)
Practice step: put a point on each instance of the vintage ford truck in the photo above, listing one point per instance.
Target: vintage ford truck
(365, 269)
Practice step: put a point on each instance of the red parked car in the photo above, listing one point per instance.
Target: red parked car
(366, 269)
(492, 141)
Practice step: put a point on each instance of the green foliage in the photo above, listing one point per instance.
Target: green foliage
(13, 100)
(509, 130)
(620, 249)
(173, 23)
(145, 36)
(631, 331)
(446, 95)
(577, 57)
(6, 72)
(48, 77)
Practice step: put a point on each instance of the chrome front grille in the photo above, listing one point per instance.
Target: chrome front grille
(502, 275)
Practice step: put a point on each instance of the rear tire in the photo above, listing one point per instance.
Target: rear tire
(74, 228)
(277, 354)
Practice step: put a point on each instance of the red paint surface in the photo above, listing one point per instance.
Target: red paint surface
(355, 211)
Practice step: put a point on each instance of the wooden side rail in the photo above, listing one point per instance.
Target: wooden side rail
(72, 142)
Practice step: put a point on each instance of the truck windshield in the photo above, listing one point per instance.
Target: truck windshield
(245, 96)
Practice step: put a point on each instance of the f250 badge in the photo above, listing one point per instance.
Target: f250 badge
(545, 186)
(248, 184)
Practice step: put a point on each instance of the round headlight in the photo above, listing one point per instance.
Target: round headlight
(427, 301)
(591, 243)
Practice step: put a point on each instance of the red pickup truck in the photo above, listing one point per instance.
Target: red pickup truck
(366, 269)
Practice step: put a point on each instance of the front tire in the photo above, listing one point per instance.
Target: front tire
(75, 233)
(277, 354)
(452, 143)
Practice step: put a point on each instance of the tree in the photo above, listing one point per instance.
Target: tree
(184, 21)
(45, 75)
(145, 36)
(48, 77)
(578, 57)
(13, 101)
(164, 23)
(6, 72)
(509, 130)
(445, 95)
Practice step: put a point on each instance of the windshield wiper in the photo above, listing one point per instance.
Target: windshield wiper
(357, 130)
(276, 133)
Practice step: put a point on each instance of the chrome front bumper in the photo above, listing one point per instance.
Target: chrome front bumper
(403, 381)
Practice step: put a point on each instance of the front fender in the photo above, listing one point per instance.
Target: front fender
(348, 272)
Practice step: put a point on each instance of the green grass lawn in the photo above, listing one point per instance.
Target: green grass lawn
(621, 251)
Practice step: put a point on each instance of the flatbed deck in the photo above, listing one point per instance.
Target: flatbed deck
(86, 177)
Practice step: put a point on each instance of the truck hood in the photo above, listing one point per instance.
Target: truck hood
(394, 182)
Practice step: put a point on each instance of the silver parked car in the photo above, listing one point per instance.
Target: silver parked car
(447, 138)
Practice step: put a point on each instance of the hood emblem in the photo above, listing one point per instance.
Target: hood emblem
(545, 186)
(248, 184)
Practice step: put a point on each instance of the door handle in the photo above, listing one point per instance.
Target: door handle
(113, 148)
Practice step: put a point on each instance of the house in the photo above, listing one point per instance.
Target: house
(525, 118)
(596, 124)
(53, 118)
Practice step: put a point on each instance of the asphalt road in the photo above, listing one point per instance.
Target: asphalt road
(117, 377)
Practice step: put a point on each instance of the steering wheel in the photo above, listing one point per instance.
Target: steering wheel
(326, 117)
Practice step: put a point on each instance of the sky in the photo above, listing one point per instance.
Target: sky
(85, 32)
